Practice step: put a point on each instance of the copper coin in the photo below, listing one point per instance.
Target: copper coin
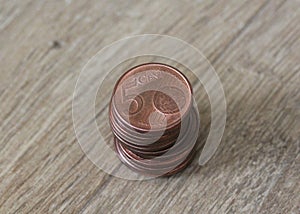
(135, 140)
(134, 163)
(153, 119)
(134, 136)
(152, 97)
(180, 144)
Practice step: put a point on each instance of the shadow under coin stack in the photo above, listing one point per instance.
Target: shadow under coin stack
(154, 120)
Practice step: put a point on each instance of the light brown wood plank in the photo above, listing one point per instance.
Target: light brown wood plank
(254, 46)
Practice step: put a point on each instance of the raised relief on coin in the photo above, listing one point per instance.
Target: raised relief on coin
(136, 105)
(147, 76)
(169, 100)
(125, 89)
(141, 119)
(157, 118)
(131, 102)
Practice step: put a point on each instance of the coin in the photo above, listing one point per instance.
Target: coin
(146, 97)
(153, 119)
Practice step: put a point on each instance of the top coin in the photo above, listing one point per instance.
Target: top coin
(152, 97)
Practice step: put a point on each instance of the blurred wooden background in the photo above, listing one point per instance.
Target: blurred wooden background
(254, 47)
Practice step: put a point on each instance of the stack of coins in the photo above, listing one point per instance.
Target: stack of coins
(153, 119)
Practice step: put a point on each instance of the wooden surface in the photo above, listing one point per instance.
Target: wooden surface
(254, 47)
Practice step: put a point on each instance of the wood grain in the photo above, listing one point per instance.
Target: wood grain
(254, 47)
